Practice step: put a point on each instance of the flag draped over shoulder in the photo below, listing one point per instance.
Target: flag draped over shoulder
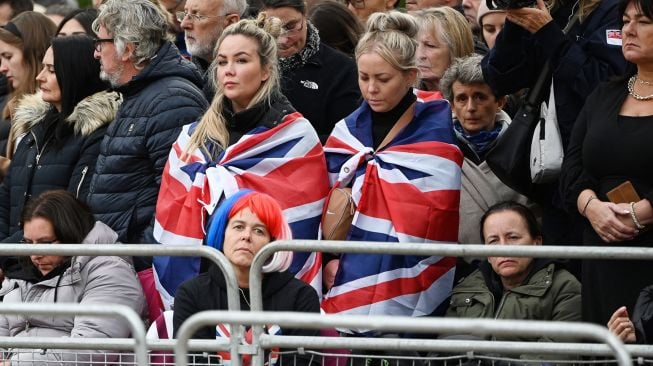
(408, 191)
(286, 162)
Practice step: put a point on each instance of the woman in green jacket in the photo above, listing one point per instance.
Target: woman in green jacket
(516, 288)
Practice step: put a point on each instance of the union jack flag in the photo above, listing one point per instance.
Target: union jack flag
(271, 358)
(407, 191)
(286, 162)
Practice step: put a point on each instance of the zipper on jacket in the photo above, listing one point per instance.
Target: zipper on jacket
(39, 151)
(81, 180)
(496, 314)
(503, 299)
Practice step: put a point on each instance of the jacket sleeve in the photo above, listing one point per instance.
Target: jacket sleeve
(344, 99)
(113, 281)
(306, 302)
(82, 172)
(566, 300)
(5, 206)
(110, 281)
(579, 63)
(186, 305)
(163, 132)
(573, 177)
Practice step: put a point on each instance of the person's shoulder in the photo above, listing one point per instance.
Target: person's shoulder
(197, 284)
(562, 277)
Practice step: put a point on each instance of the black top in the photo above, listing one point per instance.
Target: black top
(324, 90)
(605, 150)
(382, 122)
(281, 292)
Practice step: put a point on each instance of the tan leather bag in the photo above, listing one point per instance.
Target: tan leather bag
(339, 213)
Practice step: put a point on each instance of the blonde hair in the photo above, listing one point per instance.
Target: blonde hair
(391, 35)
(212, 127)
(449, 25)
(584, 11)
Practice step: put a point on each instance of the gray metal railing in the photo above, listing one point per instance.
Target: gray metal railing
(210, 253)
(480, 327)
(430, 249)
(133, 320)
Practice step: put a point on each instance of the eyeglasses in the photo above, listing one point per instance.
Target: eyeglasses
(28, 241)
(292, 27)
(358, 4)
(181, 15)
(97, 43)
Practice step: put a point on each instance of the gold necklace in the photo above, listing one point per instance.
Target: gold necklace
(631, 89)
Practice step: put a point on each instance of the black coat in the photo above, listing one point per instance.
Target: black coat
(157, 102)
(41, 163)
(581, 59)
(281, 292)
(324, 90)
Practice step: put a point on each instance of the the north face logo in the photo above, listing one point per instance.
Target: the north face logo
(309, 84)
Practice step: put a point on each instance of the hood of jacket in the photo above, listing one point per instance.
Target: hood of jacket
(167, 62)
(535, 284)
(89, 114)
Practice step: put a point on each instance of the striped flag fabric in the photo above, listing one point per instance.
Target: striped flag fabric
(285, 161)
(406, 192)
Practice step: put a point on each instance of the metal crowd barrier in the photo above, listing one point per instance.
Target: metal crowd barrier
(133, 320)
(387, 323)
(130, 250)
(430, 249)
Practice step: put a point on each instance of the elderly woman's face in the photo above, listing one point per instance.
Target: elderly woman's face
(245, 235)
(475, 106)
(509, 228)
(433, 56)
(41, 231)
(294, 30)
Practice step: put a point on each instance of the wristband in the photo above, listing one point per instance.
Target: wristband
(587, 204)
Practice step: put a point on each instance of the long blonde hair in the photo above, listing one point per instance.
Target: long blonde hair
(213, 127)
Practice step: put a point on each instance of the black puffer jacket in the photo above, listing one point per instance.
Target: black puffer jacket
(157, 102)
(41, 164)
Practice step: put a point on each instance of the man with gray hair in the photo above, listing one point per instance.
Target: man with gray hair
(203, 22)
(161, 93)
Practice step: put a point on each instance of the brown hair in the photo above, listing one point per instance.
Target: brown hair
(36, 30)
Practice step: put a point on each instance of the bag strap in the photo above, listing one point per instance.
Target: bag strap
(535, 94)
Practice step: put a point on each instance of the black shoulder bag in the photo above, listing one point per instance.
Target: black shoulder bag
(509, 157)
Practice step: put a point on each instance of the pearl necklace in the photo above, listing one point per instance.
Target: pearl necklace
(631, 89)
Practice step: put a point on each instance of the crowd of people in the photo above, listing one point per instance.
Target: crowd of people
(230, 124)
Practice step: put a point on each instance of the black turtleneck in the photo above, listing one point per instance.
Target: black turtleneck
(382, 122)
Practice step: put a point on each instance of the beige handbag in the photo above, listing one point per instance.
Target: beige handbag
(338, 215)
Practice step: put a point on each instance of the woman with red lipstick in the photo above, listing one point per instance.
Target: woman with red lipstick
(60, 127)
(610, 145)
(512, 287)
(243, 224)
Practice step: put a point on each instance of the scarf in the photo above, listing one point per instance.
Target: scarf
(481, 141)
(300, 58)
